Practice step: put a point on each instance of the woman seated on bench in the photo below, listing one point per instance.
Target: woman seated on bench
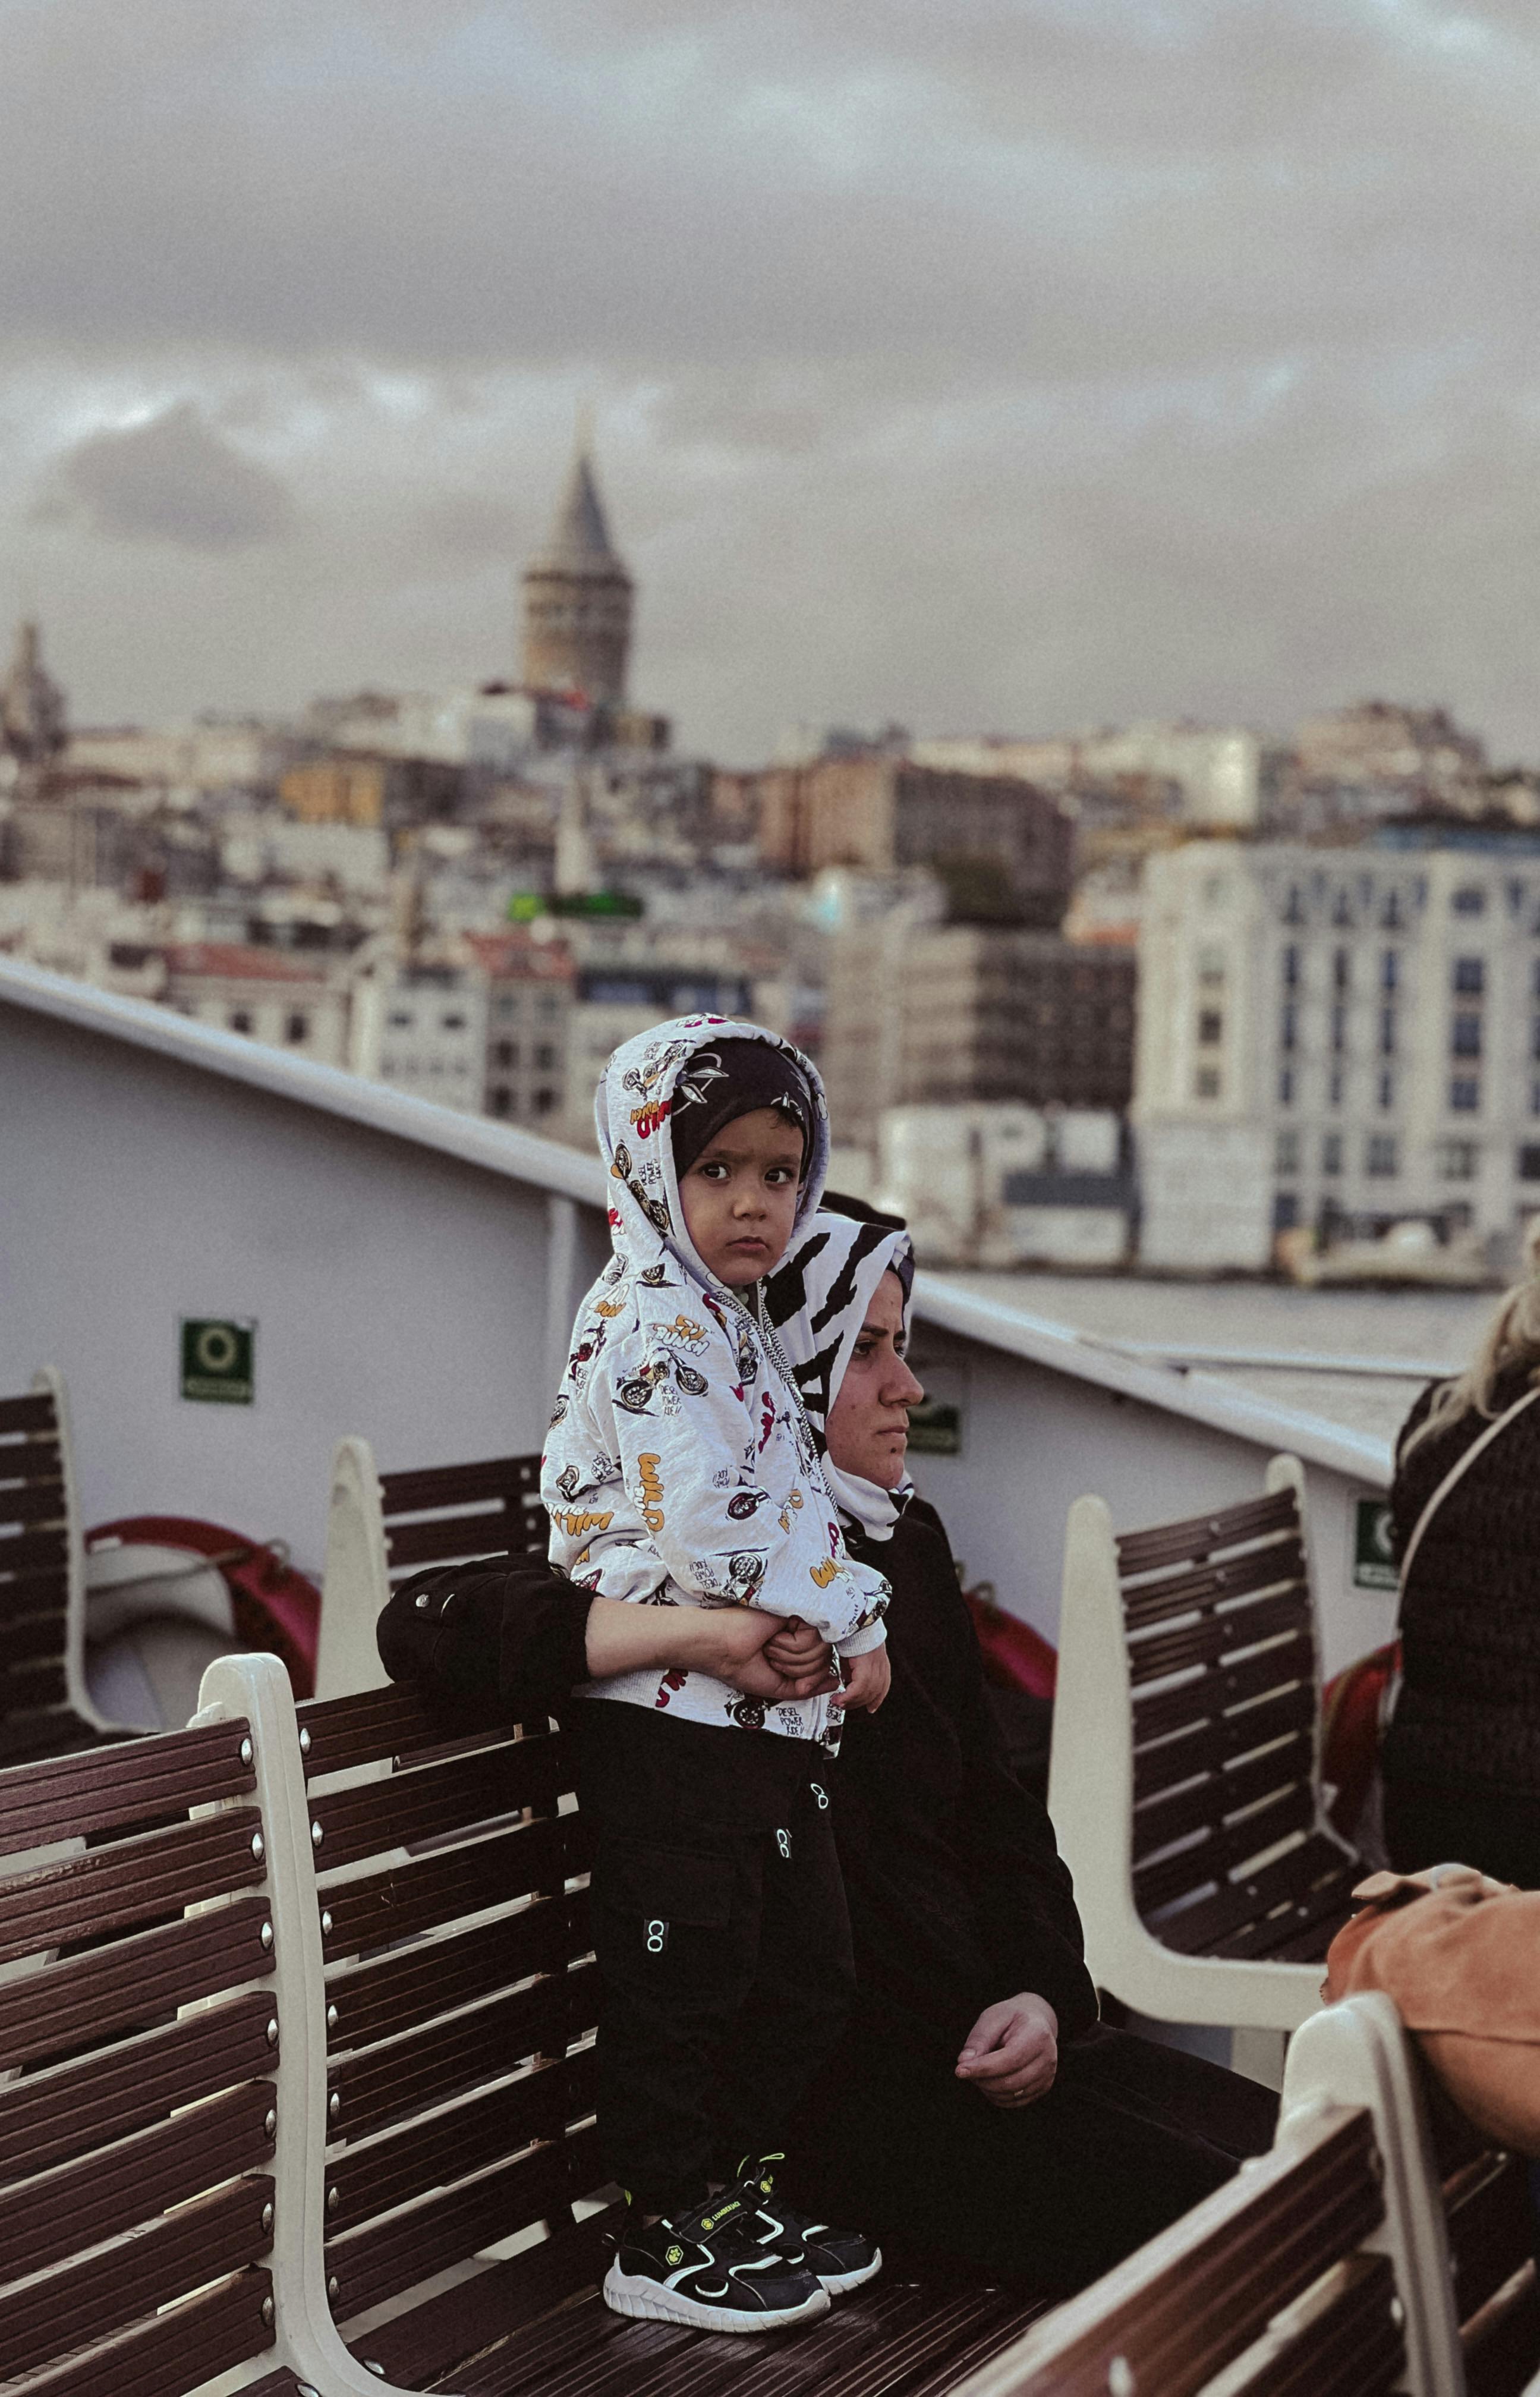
(978, 2112)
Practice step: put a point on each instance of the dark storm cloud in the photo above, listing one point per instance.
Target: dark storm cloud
(988, 364)
(173, 479)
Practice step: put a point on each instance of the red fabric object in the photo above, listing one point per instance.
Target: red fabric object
(275, 1607)
(1015, 1657)
(1352, 1711)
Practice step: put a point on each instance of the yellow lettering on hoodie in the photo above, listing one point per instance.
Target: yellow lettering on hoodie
(652, 1493)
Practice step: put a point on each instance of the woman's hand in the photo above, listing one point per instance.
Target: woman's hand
(1011, 2054)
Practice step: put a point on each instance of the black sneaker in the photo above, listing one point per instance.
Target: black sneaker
(716, 2268)
(838, 2259)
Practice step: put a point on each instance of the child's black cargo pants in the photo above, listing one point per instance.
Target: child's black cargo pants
(723, 1943)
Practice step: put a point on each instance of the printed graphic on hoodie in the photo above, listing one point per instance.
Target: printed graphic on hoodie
(680, 1468)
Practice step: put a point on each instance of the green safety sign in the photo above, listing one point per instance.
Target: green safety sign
(1374, 1557)
(218, 1361)
(935, 1429)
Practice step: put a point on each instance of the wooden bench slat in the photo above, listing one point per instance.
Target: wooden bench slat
(1207, 1695)
(30, 1688)
(34, 1551)
(412, 1491)
(425, 1803)
(1486, 2219)
(1206, 1745)
(1500, 2343)
(135, 1881)
(378, 1907)
(1323, 1915)
(1163, 1879)
(1280, 1565)
(48, 2116)
(434, 2338)
(391, 1722)
(410, 1986)
(1200, 2293)
(390, 2258)
(37, 1459)
(1354, 2347)
(132, 1982)
(24, 1636)
(55, 2214)
(1212, 1637)
(1172, 1815)
(445, 1539)
(1315, 1864)
(34, 1412)
(100, 2294)
(1304, 1931)
(1201, 1535)
(399, 2166)
(37, 1499)
(179, 2351)
(372, 2087)
(141, 1780)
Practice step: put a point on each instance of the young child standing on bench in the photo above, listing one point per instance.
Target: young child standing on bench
(679, 1471)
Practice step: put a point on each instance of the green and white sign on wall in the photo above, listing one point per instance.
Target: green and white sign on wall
(1374, 1557)
(219, 1359)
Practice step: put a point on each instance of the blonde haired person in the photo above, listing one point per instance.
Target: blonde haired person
(1461, 1755)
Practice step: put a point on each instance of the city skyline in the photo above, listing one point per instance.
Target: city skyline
(1021, 370)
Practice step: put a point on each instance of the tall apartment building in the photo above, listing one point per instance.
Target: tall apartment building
(420, 1025)
(1363, 1024)
(926, 1013)
(290, 1001)
(880, 813)
(528, 1023)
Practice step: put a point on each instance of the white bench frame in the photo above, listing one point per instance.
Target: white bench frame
(356, 1578)
(77, 1696)
(1090, 1799)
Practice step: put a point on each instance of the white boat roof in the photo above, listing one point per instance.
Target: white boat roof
(1329, 1416)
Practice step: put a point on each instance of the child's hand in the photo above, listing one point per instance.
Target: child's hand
(796, 1649)
(866, 1681)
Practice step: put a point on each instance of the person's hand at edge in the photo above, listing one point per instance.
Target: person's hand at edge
(867, 1679)
(1011, 2054)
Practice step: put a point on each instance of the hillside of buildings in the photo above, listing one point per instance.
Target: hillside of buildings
(1170, 996)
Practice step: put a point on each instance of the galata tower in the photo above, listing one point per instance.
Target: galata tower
(577, 599)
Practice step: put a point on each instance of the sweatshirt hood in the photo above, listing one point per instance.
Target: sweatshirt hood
(633, 1108)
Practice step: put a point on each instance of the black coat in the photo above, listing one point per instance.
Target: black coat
(957, 1892)
(1468, 1713)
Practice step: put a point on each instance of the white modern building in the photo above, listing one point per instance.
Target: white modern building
(422, 1029)
(1357, 1031)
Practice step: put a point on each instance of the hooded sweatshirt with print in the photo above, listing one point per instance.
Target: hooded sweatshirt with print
(679, 1469)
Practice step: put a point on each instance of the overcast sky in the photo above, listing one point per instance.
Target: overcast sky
(986, 364)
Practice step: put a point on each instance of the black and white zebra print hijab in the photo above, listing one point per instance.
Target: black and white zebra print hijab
(815, 1301)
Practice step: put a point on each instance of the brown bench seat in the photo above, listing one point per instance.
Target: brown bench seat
(44, 1706)
(1186, 1784)
(460, 2006)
